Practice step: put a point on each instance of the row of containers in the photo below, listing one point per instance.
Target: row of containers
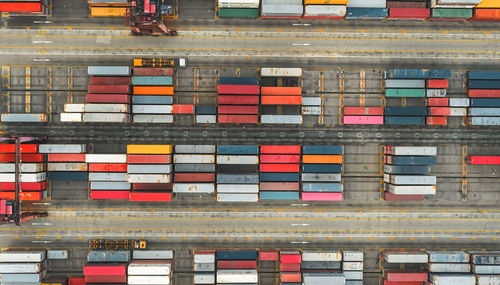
(118, 8)
(481, 10)
(236, 173)
(307, 267)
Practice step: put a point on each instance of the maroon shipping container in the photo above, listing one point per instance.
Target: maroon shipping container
(143, 71)
(268, 255)
(239, 119)
(110, 80)
(409, 13)
(194, 177)
(238, 109)
(152, 186)
(277, 186)
(236, 264)
(239, 89)
(105, 278)
(406, 275)
(104, 269)
(393, 197)
(238, 100)
(404, 4)
(290, 267)
(107, 89)
(148, 158)
(107, 98)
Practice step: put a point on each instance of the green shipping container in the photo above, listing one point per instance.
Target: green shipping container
(238, 13)
(404, 92)
(452, 13)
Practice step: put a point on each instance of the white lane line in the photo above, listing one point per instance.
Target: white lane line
(304, 225)
(41, 60)
(42, 22)
(41, 224)
(42, 42)
(300, 24)
(41, 241)
(299, 242)
(304, 44)
(301, 205)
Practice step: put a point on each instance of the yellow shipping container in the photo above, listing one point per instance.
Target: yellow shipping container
(325, 2)
(149, 149)
(108, 11)
(489, 4)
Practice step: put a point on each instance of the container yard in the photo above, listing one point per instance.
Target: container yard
(273, 142)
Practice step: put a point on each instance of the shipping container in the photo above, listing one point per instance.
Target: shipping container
(279, 177)
(236, 255)
(239, 89)
(281, 91)
(485, 102)
(279, 168)
(323, 278)
(22, 256)
(451, 279)
(109, 80)
(405, 275)
(238, 119)
(107, 176)
(67, 166)
(324, 11)
(486, 93)
(145, 71)
(322, 168)
(152, 80)
(194, 167)
(96, 185)
(290, 277)
(318, 265)
(449, 267)
(194, 177)
(405, 111)
(281, 119)
(483, 75)
(109, 70)
(23, 118)
(150, 100)
(238, 80)
(153, 254)
(317, 177)
(57, 254)
(279, 186)
(108, 89)
(484, 121)
(280, 100)
(322, 150)
(278, 195)
(106, 117)
(437, 102)
(238, 13)
(405, 83)
(333, 255)
(68, 176)
(105, 158)
(237, 188)
(406, 257)
(204, 278)
(99, 195)
(363, 120)
(291, 11)
(149, 178)
(410, 160)
(410, 179)
(403, 120)
(24, 167)
(238, 100)
(406, 169)
(281, 72)
(418, 73)
(410, 150)
(194, 188)
(107, 167)
(23, 278)
(366, 13)
(487, 279)
(229, 109)
(408, 13)
(227, 276)
(279, 158)
(436, 93)
(372, 111)
(204, 267)
(208, 110)
(108, 256)
(153, 90)
(143, 280)
(483, 84)
(26, 186)
(410, 190)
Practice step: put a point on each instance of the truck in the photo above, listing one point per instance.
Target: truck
(117, 244)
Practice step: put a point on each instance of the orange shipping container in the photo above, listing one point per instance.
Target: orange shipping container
(25, 196)
(281, 100)
(153, 90)
(290, 91)
(487, 15)
(322, 159)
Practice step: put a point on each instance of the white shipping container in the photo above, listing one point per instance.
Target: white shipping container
(352, 255)
(449, 267)
(23, 177)
(204, 267)
(149, 168)
(311, 110)
(23, 118)
(193, 188)
(165, 119)
(57, 254)
(452, 279)
(22, 256)
(67, 166)
(74, 108)
(106, 108)
(333, 255)
(71, 117)
(404, 83)
(281, 119)
(486, 269)
(106, 117)
(459, 102)
(411, 150)
(237, 276)
(311, 101)
(193, 148)
(152, 268)
(325, 10)
(148, 280)
(21, 267)
(148, 178)
(488, 279)
(237, 188)
(458, 112)
(107, 176)
(194, 158)
(204, 278)
(238, 3)
(366, 4)
(24, 167)
(237, 159)
(204, 258)
(406, 257)
(230, 197)
(410, 179)
(106, 158)
(206, 119)
(152, 109)
(62, 148)
(412, 190)
(436, 93)
(280, 72)
(353, 275)
(153, 254)
(352, 265)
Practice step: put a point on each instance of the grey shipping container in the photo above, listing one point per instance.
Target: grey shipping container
(195, 149)
(488, 279)
(108, 256)
(452, 279)
(109, 70)
(238, 178)
(486, 269)
(353, 275)
(108, 176)
(204, 267)
(484, 121)
(315, 278)
(322, 187)
(448, 256)
(109, 185)
(315, 177)
(28, 267)
(146, 99)
(449, 267)
(185, 167)
(404, 83)
(153, 254)
(320, 265)
(493, 112)
(57, 254)
(281, 10)
(22, 278)
(149, 168)
(62, 148)
(406, 169)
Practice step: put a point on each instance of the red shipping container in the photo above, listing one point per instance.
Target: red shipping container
(280, 158)
(485, 160)
(239, 89)
(486, 15)
(150, 196)
(238, 109)
(110, 80)
(66, 157)
(404, 4)
(268, 255)
(283, 186)
(3, 207)
(281, 100)
(238, 100)
(152, 186)
(291, 277)
(478, 93)
(76, 281)
(400, 275)
(108, 89)
(236, 264)
(291, 258)
(26, 186)
(437, 83)
(107, 167)
(238, 119)
(409, 13)
(204, 252)
(437, 121)
(388, 196)
(23, 148)
(143, 71)
(182, 109)
(323, 17)
(194, 177)
(285, 149)
(289, 267)
(439, 111)
(148, 158)
(107, 98)
(109, 195)
(279, 168)
(105, 279)
(280, 91)
(375, 111)
(22, 7)
(25, 157)
(386, 282)
(437, 102)
(25, 196)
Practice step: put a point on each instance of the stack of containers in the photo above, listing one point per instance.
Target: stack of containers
(152, 99)
(238, 100)
(406, 172)
(33, 172)
(290, 267)
(237, 173)
(321, 9)
(366, 9)
(204, 267)
(408, 259)
(162, 96)
(25, 8)
(486, 266)
(353, 266)
(440, 108)
(447, 264)
(322, 267)
(66, 161)
(363, 116)
(149, 171)
(206, 114)
(288, 9)
(22, 267)
(109, 178)
(279, 172)
(194, 169)
(321, 173)
(238, 8)
(235, 267)
(488, 10)
(150, 267)
(108, 8)
(484, 94)
(453, 9)
(284, 92)
(415, 9)
(106, 266)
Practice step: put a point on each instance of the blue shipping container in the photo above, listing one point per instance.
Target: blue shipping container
(237, 178)
(405, 111)
(275, 195)
(440, 73)
(238, 81)
(236, 255)
(322, 149)
(494, 112)
(413, 160)
(400, 120)
(486, 259)
(322, 187)
(152, 80)
(237, 149)
(366, 13)
(483, 84)
(485, 102)
(279, 177)
(108, 256)
(68, 175)
(206, 110)
(409, 169)
(484, 75)
(151, 100)
(322, 168)
(417, 73)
